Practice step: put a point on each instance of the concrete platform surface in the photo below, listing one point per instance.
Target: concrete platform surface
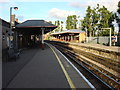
(44, 71)
(99, 46)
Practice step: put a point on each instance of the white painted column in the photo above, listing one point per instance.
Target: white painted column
(71, 38)
(42, 37)
(68, 37)
(65, 38)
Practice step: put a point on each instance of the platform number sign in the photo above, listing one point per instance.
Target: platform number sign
(114, 38)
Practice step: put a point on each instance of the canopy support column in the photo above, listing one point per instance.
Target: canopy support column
(16, 40)
(42, 37)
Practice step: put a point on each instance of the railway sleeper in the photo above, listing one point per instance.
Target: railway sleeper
(111, 82)
(112, 61)
(113, 66)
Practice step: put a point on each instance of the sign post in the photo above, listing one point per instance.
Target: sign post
(114, 39)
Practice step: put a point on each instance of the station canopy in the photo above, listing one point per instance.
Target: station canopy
(35, 26)
(68, 31)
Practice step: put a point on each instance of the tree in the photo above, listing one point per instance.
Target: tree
(59, 24)
(105, 16)
(50, 22)
(62, 25)
(87, 21)
(118, 10)
(79, 22)
(106, 19)
(56, 23)
(118, 18)
(71, 22)
(68, 23)
(74, 18)
(97, 18)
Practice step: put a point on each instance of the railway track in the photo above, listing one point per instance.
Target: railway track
(94, 65)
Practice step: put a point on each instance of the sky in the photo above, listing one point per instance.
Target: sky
(50, 10)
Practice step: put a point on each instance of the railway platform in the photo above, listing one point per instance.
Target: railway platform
(99, 46)
(47, 68)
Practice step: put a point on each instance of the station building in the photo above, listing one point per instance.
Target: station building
(27, 34)
(31, 33)
(72, 35)
(5, 27)
(5, 36)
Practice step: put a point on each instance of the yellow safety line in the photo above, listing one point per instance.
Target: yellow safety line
(65, 72)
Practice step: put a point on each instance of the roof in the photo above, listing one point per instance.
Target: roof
(35, 24)
(69, 31)
(4, 23)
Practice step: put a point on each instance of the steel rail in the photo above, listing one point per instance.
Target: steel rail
(72, 55)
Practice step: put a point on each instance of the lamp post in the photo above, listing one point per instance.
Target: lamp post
(10, 32)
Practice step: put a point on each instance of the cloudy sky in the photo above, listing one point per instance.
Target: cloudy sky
(51, 9)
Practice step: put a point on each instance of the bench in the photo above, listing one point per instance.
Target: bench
(12, 54)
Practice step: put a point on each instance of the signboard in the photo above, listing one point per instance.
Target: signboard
(114, 38)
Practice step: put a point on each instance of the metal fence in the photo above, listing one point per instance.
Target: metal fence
(104, 40)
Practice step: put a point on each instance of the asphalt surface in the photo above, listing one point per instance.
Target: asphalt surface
(10, 69)
(37, 68)
(75, 75)
(42, 71)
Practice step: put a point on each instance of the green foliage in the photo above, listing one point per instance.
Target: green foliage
(60, 25)
(117, 18)
(106, 17)
(71, 22)
(97, 18)
(68, 22)
(106, 32)
(55, 23)
(89, 20)
(50, 22)
(118, 10)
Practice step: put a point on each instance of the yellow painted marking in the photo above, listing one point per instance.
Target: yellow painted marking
(65, 72)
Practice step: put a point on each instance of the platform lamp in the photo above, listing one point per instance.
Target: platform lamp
(10, 32)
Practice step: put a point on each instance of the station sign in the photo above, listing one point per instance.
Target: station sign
(114, 38)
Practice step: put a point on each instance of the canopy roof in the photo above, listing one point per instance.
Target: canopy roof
(36, 25)
(69, 31)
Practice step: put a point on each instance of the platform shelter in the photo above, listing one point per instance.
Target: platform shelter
(72, 35)
(31, 33)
